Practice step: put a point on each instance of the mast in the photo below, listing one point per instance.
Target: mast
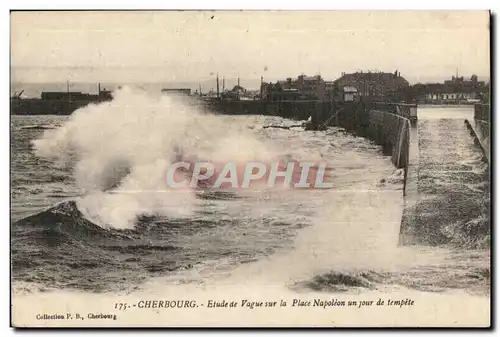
(223, 83)
(217, 85)
(261, 82)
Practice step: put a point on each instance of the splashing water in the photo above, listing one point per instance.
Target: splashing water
(121, 150)
(339, 240)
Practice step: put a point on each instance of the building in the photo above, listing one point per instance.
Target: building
(56, 103)
(331, 91)
(302, 88)
(376, 85)
(349, 94)
(456, 90)
(236, 93)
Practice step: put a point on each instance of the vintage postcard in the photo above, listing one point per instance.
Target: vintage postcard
(250, 169)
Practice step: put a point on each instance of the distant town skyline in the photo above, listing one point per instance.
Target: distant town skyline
(251, 82)
(192, 46)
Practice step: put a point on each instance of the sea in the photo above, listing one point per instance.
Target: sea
(90, 212)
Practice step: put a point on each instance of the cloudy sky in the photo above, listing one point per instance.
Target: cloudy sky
(189, 46)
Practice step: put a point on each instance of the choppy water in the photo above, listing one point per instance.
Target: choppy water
(335, 240)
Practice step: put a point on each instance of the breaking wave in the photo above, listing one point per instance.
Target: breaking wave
(120, 151)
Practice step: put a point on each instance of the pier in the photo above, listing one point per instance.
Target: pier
(438, 155)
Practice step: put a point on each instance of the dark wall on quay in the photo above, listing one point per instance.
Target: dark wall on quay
(298, 110)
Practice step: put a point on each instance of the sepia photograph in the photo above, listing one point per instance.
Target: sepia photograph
(251, 168)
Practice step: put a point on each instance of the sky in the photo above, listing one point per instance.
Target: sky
(182, 46)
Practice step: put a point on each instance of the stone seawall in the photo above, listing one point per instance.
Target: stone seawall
(387, 124)
(482, 112)
(393, 133)
(480, 128)
(389, 128)
(391, 125)
(394, 126)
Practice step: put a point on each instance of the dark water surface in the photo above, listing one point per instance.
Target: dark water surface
(337, 240)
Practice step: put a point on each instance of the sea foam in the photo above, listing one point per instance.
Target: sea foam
(120, 152)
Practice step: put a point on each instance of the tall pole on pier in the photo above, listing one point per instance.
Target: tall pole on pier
(261, 82)
(223, 84)
(217, 85)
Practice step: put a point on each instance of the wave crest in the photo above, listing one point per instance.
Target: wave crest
(120, 152)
